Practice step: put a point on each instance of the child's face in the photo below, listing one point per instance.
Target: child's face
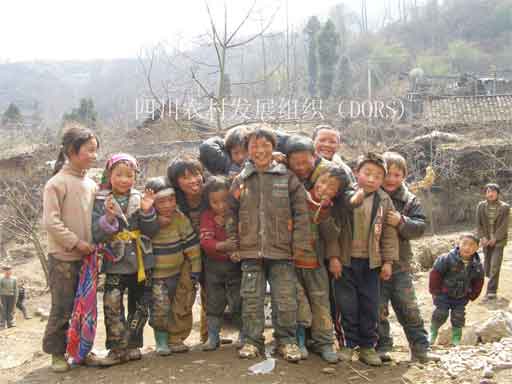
(491, 195)
(327, 143)
(394, 179)
(326, 187)
(217, 201)
(238, 154)
(370, 177)
(165, 206)
(467, 247)
(191, 183)
(260, 152)
(86, 156)
(302, 164)
(122, 178)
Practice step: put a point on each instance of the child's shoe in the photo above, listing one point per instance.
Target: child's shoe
(162, 346)
(369, 356)
(424, 357)
(179, 347)
(213, 341)
(248, 351)
(114, 357)
(133, 354)
(290, 352)
(385, 356)
(59, 364)
(329, 355)
(434, 329)
(301, 342)
(345, 354)
(456, 335)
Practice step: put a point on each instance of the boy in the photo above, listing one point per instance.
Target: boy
(492, 223)
(455, 279)
(409, 220)
(369, 245)
(8, 296)
(268, 219)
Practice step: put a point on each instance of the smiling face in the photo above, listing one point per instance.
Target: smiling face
(260, 152)
(302, 164)
(394, 179)
(370, 177)
(191, 184)
(326, 187)
(122, 178)
(467, 247)
(86, 156)
(165, 206)
(327, 143)
(218, 201)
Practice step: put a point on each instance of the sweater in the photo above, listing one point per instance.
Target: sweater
(67, 209)
(211, 234)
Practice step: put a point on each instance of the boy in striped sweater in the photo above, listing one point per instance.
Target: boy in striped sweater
(175, 241)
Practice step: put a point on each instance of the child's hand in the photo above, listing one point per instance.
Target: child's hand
(393, 218)
(335, 267)
(226, 246)
(357, 198)
(386, 271)
(235, 257)
(147, 200)
(279, 157)
(164, 221)
(110, 213)
(84, 247)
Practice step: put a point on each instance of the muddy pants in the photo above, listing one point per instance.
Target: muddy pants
(163, 294)
(492, 265)
(444, 305)
(126, 331)
(63, 281)
(280, 274)
(358, 291)
(7, 315)
(399, 290)
(314, 306)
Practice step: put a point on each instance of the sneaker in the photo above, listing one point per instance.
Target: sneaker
(385, 356)
(290, 352)
(424, 357)
(133, 354)
(178, 347)
(114, 357)
(59, 364)
(369, 356)
(346, 354)
(248, 351)
(92, 360)
(329, 355)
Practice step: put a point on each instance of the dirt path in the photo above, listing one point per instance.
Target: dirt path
(22, 361)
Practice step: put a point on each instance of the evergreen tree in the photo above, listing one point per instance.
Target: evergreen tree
(84, 114)
(12, 115)
(328, 41)
(311, 32)
(344, 83)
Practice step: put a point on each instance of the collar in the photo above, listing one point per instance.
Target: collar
(275, 168)
(70, 169)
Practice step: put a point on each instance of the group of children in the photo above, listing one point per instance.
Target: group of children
(269, 209)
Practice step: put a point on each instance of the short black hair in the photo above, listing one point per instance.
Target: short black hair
(180, 165)
(214, 184)
(320, 127)
(470, 235)
(263, 131)
(297, 143)
(236, 137)
(492, 186)
(157, 184)
(374, 158)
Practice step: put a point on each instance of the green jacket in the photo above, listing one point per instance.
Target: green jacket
(500, 226)
(268, 215)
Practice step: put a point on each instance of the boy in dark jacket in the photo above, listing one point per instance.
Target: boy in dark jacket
(455, 279)
(268, 220)
(492, 217)
(409, 220)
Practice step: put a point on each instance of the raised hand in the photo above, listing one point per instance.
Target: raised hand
(147, 200)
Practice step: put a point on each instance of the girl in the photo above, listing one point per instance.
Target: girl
(223, 274)
(67, 204)
(124, 220)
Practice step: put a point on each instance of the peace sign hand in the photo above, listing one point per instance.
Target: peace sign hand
(147, 200)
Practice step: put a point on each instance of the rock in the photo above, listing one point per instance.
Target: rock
(427, 252)
(497, 327)
(469, 336)
(43, 313)
(413, 376)
(488, 372)
(199, 362)
(329, 371)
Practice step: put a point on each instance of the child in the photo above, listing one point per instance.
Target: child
(67, 204)
(455, 279)
(409, 220)
(8, 297)
(175, 242)
(369, 245)
(223, 274)
(20, 303)
(124, 220)
(492, 224)
(268, 219)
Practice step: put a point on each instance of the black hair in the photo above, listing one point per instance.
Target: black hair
(335, 171)
(321, 127)
(72, 140)
(470, 235)
(396, 159)
(492, 186)
(374, 158)
(157, 184)
(296, 143)
(263, 131)
(214, 184)
(236, 137)
(180, 165)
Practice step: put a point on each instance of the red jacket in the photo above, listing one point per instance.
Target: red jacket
(212, 233)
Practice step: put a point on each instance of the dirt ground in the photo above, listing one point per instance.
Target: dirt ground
(22, 361)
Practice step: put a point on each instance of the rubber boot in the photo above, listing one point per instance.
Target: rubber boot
(434, 329)
(213, 341)
(456, 335)
(162, 346)
(301, 342)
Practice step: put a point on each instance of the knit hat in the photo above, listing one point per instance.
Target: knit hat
(114, 159)
(374, 158)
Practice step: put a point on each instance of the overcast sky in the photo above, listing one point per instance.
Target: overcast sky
(99, 29)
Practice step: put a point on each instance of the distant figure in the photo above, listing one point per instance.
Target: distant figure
(415, 76)
(8, 296)
(20, 303)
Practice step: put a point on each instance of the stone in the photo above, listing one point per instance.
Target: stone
(329, 371)
(495, 328)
